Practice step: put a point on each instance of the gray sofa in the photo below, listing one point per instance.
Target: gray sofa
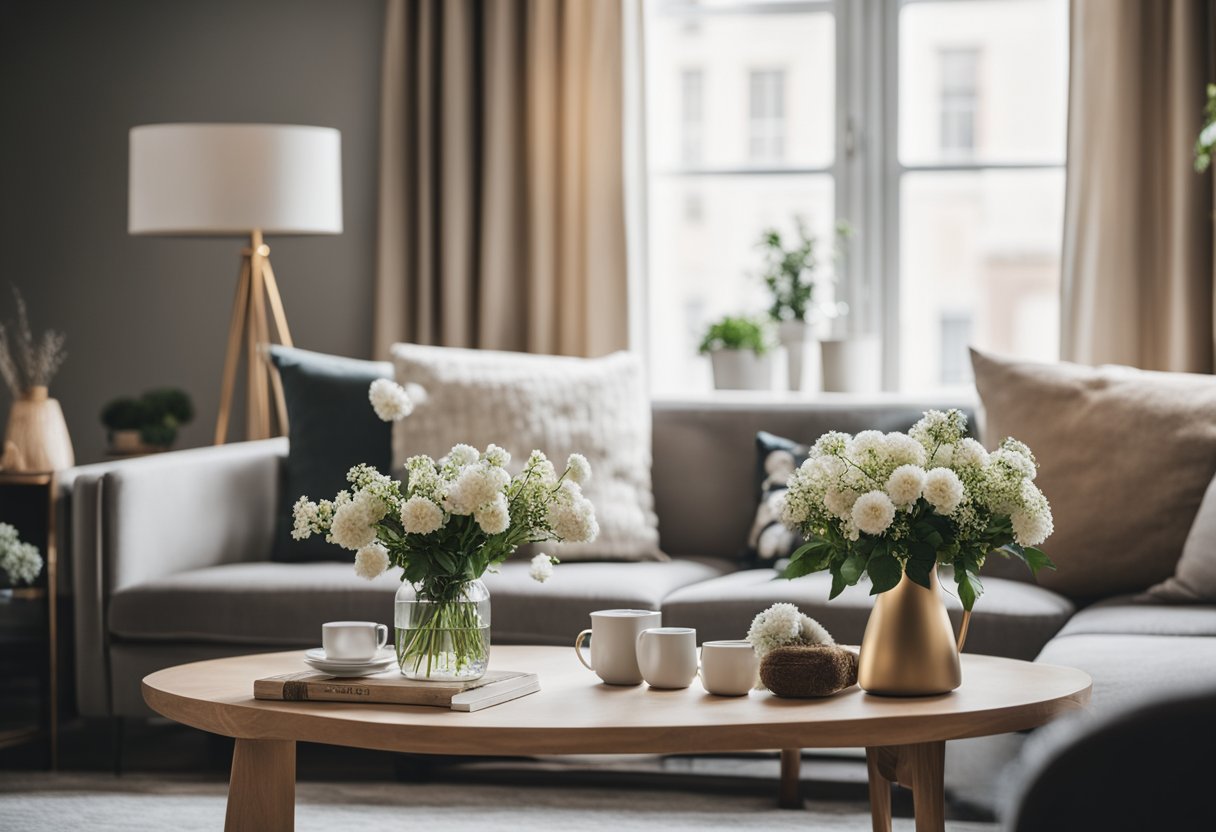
(170, 559)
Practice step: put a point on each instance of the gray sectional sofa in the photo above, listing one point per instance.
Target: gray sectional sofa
(170, 560)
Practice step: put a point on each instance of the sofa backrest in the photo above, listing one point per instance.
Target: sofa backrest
(704, 470)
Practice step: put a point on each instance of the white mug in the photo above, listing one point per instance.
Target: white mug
(729, 668)
(352, 641)
(614, 635)
(667, 656)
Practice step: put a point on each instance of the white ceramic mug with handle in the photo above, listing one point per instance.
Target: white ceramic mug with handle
(352, 641)
(729, 668)
(614, 635)
(667, 656)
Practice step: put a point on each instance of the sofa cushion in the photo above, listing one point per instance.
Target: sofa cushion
(331, 427)
(1013, 618)
(286, 604)
(1194, 578)
(557, 404)
(776, 458)
(1137, 615)
(1129, 669)
(1125, 457)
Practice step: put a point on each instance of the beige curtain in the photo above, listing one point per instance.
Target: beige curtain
(1138, 231)
(501, 198)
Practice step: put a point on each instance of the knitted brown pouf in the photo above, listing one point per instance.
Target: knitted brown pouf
(801, 672)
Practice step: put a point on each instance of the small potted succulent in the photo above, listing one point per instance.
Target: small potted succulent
(738, 348)
(147, 424)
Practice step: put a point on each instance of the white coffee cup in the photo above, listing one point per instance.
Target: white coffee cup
(729, 668)
(667, 656)
(614, 636)
(352, 641)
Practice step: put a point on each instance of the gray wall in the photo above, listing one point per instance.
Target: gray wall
(148, 311)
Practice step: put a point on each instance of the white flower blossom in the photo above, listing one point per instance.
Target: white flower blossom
(905, 484)
(541, 569)
(1032, 521)
(578, 468)
(873, 512)
(496, 456)
(493, 517)
(421, 516)
(969, 454)
(20, 560)
(784, 624)
(353, 525)
(840, 502)
(389, 400)
(462, 455)
(943, 490)
(371, 561)
(573, 520)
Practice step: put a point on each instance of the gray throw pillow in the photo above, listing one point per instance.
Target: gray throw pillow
(331, 428)
(1194, 579)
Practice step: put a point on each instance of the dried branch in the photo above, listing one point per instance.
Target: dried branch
(28, 363)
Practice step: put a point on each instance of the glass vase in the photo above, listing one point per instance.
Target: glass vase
(443, 636)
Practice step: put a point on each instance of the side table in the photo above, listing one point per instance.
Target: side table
(29, 502)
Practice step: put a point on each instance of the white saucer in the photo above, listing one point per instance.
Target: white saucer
(315, 658)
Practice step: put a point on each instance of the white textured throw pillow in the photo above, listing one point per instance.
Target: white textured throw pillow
(594, 406)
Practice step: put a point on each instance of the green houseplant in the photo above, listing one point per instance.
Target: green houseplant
(791, 271)
(738, 347)
(148, 423)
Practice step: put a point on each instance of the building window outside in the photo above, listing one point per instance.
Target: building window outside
(766, 116)
(959, 100)
(692, 110)
(957, 244)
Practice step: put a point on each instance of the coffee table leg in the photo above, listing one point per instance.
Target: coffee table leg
(262, 787)
(920, 767)
(791, 779)
(880, 791)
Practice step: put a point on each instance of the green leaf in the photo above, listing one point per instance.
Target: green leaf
(807, 564)
(446, 561)
(921, 560)
(884, 571)
(838, 582)
(1037, 559)
(969, 586)
(852, 568)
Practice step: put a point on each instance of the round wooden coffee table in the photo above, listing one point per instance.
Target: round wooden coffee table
(574, 714)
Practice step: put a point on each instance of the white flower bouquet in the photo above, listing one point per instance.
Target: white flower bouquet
(450, 521)
(885, 505)
(21, 561)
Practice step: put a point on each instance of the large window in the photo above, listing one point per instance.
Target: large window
(935, 128)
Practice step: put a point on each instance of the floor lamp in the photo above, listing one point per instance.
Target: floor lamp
(246, 180)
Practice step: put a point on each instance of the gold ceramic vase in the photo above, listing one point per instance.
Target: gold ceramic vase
(908, 648)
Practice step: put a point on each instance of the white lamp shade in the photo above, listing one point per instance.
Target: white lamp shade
(229, 179)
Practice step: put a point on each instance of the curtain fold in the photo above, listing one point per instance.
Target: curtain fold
(1138, 261)
(502, 182)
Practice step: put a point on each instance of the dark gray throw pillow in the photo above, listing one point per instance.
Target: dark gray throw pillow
(331, 428)
(776, 458)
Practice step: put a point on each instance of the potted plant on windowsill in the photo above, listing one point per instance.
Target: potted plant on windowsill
(790, 274)
(738, 348)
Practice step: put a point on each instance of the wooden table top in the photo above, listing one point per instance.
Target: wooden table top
(575, 714)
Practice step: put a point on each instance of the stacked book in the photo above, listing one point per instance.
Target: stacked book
(391, 688)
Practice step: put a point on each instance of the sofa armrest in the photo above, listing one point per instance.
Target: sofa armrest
(141, 519)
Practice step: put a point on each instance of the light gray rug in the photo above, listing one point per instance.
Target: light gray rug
(99, 803)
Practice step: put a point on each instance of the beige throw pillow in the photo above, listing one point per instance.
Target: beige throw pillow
(1194, 580)
(1125, 457)
(594, 406)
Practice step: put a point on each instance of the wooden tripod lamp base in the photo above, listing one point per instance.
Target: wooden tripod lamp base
(257, 303)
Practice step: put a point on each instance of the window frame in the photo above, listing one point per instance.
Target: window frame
(866, 168)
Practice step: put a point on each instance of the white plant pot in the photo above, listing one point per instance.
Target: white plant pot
(797, 338)
(852, 365)
(741, 370)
